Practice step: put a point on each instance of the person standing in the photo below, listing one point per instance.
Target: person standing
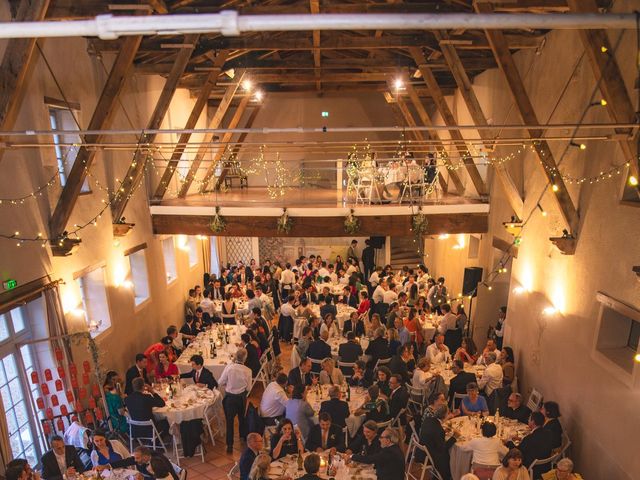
(236, 381)
(499, 329)
(368, 259)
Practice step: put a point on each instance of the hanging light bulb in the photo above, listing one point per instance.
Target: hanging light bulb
(555, 187)
(633, 181)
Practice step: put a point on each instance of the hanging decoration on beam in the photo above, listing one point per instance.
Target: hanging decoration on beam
(351, 223)
(284, 223)
(218, 224)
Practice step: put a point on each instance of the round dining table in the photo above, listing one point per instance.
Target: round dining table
(469, 427)
(320, 393)
(288, 467)
(188, 403)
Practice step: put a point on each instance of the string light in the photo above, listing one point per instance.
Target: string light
(544, 213)
(633, 181)
(555, 187)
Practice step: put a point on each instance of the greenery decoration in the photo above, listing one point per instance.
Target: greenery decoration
(284, 223)
(419, 224)
(351, 223)
(218, 224)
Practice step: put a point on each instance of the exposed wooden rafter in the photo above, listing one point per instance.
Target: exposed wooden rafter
(465, 87)
(525, 108)
(196, 111)
(136, 169)
(100, 120)
(449, 120)
(314, 6)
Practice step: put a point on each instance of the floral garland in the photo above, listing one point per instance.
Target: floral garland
(284, 223)
(218, 224)
(351, 223)
(76, 339)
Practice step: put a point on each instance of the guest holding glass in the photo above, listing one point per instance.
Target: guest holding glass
(286, 441)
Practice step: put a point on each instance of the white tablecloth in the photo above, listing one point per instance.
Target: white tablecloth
(189, 404)
(224, 352)
(344, 312)
(287, 466)
(460, 460)
(447, 374)
(358, 396)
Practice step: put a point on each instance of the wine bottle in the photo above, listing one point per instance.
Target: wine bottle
(300, 461)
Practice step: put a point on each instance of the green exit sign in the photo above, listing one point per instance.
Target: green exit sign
(325, 114)
(10, 284)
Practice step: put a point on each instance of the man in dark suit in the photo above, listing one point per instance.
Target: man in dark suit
(319, 350)
(398, 363)
(301, 375)
(60, 460)
(327, 306)
(325, 436)
(536, 445)
(515, 410)
(200, 375)
(140, 405)
(399, 396)
(311, 467)
(378, 348)
(460, 381)
(349, 299)
(252, 361)
(354, 324)
(350, 351)
(138, 370)
(189, 328)
(337, 408)
(254, 444)
(389, 461)
(432, 436)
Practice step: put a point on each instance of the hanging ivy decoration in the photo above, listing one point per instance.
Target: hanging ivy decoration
(419, 224)
(218, 224)
(351, 223)
(284, 223)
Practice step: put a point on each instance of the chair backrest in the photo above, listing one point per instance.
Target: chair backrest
(234, 473)
(346, 368)
(386, 424)
(566, 443)
(535, 400)
(315, 365)
(543, 461)
(183, 474)
(455, 398)
(381, 362)
(396, 420)
(427, 465)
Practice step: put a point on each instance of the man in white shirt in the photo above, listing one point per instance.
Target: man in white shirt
(378, 293)
(374, 279)
(490, 347)
(274, 399)
(438, 352)
(236, 382)
(492, 376)
(448, 321)
(207, 304)
(323, 272)
(287, 309)
(61, 461)
(287, 279)
(332, 275)
(390, 295)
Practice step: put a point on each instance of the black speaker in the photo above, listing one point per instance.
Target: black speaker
(376, 242)
(472, 276)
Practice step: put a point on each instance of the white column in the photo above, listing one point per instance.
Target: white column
(255, 249)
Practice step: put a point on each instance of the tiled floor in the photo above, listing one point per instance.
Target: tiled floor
(217, 461)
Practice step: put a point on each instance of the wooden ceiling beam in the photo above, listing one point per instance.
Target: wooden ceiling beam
(614, 91)
(449, 120)
(215, 122)
(465, 87)
(136, 170)
(196, 111)
(100, 120)
(159, 6)
(510, 71)
(17, 61)
(314, 6)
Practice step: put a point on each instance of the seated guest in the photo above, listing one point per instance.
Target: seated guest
(421, 375)
(301, 375)
(492, 376)
(311, 467)
(304, 341)
(61, 460)
(365, 303)
(467, 352)
(319, 350)
(487, 449)
(138, 370)
(374, 407)
(348, 298)
(178, 339)
(398, 364)
(253, 359)
(200, 375)
(325, 436)
(360, 376)
(536, 445)
(165, 368)
(286, 441)
(254, 444)
(299, 411)
(383, 375)
(507, 362)
(474, 402)
(551, 412)
(448, 321)
(161, 468)
(490, 347)
(140, 405)
(399, 396)
(355, 325)
(327, 306)
(389, 460)
(515, 410)
(563, 471)
(188, 330)
(141, 460)
(404, 335)
(350, 351)
(394, 341)
(378, 348)
(433, 402)
(458, 384)
(329, 375)
(115, 405)
(107, 451)
(367, 442)
(274, 399)
(329, 326)
(260, 469)
(432, 436)
(337, 408)
(512, 467)
(438, 352)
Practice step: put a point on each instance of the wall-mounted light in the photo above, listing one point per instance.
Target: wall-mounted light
(548, 311)
(246, 84)
(258, 95)
(519, 290)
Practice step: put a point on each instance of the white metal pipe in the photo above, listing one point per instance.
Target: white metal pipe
(231, 23)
